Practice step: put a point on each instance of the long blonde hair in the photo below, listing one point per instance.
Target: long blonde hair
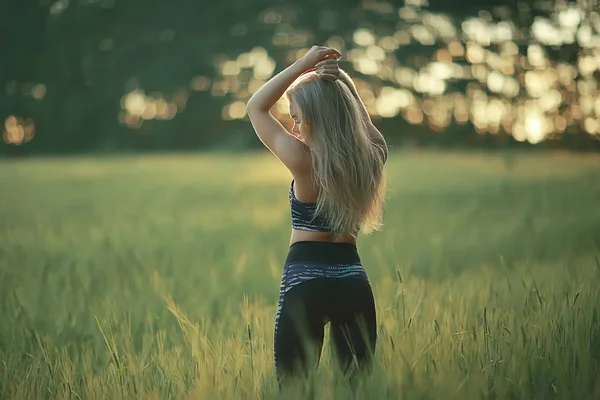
(347, 166)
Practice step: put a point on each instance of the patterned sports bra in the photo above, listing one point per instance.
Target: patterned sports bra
(303, 215)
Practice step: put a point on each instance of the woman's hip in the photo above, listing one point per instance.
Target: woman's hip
(321, 260)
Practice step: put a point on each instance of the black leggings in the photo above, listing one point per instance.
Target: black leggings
(324, 282)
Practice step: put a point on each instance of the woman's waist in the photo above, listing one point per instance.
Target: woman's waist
(317, 236)
(323, 253)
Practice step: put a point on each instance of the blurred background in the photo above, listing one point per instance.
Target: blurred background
(103, 76)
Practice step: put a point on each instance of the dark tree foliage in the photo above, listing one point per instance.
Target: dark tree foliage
(88, 54)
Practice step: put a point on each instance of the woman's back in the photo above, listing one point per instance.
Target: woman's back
(341, 180)
(306, 226)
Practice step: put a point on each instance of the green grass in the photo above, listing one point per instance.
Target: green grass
(158, 277)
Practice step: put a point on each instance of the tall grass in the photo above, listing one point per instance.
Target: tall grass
(157, 277)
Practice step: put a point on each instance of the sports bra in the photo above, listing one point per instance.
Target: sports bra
(303, 215)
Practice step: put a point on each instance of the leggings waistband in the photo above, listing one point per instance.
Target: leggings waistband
(323, 252)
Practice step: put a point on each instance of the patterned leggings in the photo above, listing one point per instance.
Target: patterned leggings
(324, 283)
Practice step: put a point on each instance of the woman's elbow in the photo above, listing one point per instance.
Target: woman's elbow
(250, 107)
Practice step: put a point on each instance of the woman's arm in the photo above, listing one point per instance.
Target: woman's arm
(266, 97)
(270, 131)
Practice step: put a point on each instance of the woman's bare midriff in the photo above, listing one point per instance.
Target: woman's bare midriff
(306, 236)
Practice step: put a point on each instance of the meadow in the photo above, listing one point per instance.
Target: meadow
(154, 277)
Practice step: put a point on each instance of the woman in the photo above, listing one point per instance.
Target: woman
(336, 157)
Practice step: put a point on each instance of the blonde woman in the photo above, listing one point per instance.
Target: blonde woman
(336, 157)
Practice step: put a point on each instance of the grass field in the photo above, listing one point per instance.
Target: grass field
(157, 277)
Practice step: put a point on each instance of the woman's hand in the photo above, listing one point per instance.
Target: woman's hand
(328, 69)
(317, 54)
